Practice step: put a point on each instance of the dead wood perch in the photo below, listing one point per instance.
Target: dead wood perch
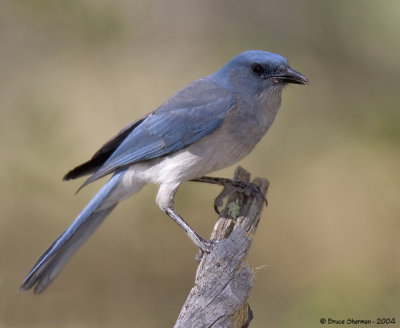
(224, 280)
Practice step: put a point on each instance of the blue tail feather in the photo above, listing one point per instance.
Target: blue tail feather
(57, 255)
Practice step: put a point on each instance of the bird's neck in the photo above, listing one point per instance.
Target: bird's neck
(269, 103)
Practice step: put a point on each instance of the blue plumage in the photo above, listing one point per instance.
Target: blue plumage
(172, 127)
(53, 260)
(208, 125)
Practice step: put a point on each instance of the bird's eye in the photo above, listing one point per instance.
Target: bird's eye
(257, 68)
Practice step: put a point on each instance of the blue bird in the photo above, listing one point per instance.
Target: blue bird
(208, 125)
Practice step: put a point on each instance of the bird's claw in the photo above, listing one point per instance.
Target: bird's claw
(205, 247)
(250, 189)
(219, 202)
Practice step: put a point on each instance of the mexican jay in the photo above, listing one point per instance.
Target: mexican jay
(208, 125)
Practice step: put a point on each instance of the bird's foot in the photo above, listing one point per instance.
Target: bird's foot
(206, 246)
(248, 188)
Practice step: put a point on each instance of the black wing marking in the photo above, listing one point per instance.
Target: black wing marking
(103, 153)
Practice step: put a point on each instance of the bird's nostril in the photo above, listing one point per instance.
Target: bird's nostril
(281, 69)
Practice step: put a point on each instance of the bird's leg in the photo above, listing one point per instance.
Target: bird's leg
(241, 186)
(203, 244)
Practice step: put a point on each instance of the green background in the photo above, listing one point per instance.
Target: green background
(74, 72)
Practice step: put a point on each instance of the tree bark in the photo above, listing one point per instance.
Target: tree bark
(224, 280)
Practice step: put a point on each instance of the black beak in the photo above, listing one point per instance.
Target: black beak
(290, 76)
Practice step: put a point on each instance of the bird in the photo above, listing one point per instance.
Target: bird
(210, 124)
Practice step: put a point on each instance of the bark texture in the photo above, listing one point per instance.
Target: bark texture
(224, 280)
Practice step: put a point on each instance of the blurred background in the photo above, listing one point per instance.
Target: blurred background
(74, 72)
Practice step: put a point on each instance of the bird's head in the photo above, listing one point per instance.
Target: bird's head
(254, 72)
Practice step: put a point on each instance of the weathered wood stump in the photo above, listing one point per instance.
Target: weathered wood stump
(224, 280)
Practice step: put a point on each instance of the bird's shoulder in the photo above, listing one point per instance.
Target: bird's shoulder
(196, 94)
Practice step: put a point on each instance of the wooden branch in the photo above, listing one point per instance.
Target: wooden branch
(224, 280)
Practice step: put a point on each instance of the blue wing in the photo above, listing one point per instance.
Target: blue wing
(98, 159)
(189, 115)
